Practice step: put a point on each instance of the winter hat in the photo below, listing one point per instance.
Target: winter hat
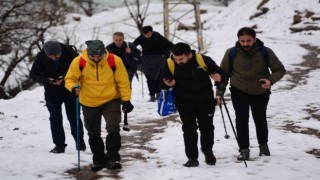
(181, 48)
(147, 29)
(95, 47)
(52, 48)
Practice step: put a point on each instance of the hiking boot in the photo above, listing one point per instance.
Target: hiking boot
(152, 98)
(83, 146)
(97, 166)
(59, 149)
(192, 162)
(264, 150)
(209, 157)
(244, 155)
(112, 165)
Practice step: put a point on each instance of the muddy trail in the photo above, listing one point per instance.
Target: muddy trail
(298, 77)
(152, 127)
(145, 130)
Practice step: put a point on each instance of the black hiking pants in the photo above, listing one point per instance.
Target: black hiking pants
(242, 103)
(54, 104)
(194, 116)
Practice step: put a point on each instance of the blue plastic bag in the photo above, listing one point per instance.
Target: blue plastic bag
(166, 104)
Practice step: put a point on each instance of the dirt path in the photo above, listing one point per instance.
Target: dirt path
(145, 130)
(299, 76)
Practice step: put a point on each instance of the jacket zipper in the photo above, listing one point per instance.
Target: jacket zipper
(97, 67)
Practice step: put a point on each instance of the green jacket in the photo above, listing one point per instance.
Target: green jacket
(249, 67)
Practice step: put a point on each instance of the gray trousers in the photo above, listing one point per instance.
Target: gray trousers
(92, 120)
(110, 111)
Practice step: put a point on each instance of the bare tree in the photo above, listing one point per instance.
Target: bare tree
(86, 5)
(137, 12)
(23, 25)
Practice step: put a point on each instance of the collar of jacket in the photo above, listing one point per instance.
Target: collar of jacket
(256, 48)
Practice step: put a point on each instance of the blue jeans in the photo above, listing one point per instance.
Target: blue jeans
(54, 105)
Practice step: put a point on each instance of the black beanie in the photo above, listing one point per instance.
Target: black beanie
(181, 48)
(95, 47)
(147, 29)
(52, 48)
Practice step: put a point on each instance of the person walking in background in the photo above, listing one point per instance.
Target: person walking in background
(250, 86)
(155, 51)
(103, 89)
(194, 99)
(49, 68)
(126, 51)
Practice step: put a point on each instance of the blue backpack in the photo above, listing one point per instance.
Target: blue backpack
(233, 52)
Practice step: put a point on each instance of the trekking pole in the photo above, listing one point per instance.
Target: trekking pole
(126, 127)
(78, 128)
(224, 123)
(235, 134)
(141, 83)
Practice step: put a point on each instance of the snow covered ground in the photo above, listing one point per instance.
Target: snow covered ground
(25, 138)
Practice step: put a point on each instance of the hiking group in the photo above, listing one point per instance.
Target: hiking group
(99, 79)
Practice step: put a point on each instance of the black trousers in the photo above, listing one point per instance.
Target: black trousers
(242, 103)
(151, 66)
(194, 116)
(54, 104)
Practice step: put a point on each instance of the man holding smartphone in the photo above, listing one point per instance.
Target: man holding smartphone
(49, 68)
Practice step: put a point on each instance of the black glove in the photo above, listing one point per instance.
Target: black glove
(127, 106)
(49, 81)
(74, 90)
(221, 89)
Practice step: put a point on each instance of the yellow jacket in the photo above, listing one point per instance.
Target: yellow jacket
(98, 83)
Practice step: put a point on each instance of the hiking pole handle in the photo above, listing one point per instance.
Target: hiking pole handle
(125, 120)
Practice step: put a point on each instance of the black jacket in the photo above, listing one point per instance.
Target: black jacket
(130, 61)
(193, 84)
(156, 45)
(43, 68)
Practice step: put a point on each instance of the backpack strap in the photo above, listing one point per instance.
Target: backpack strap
(111, 62)
(232, 55)
(82, 63)
(199, 59)
(170, 65)
(201, 62)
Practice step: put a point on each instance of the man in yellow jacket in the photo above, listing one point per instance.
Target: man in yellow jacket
(101, 88)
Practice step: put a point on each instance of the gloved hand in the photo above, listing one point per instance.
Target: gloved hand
(50, 81)
(75, 90)
(221, 90)
(127, 106)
